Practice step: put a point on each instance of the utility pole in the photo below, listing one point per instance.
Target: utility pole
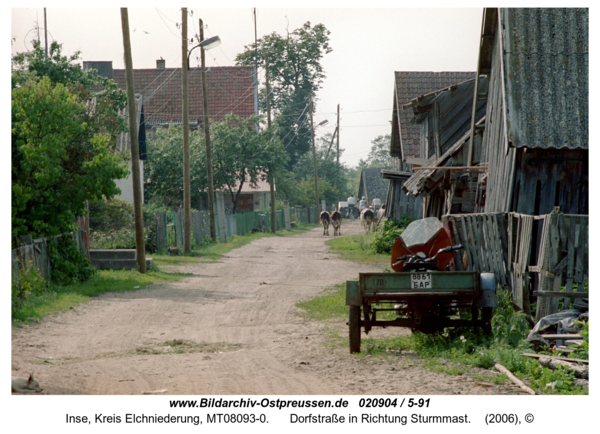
(135, 152)
(312, 129)
(187, 195)
(337, 129)
(272, 178)
(211, 190)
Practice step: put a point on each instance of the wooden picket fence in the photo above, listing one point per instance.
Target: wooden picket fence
(546, 256)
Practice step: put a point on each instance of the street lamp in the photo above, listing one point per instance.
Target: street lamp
(207, 45)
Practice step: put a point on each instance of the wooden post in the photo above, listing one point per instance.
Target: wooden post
(187, 195)
(140, 245)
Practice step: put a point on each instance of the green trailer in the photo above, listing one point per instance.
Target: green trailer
(422, 301)
(425, 292)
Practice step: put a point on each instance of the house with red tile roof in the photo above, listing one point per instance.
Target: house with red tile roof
(230, 89)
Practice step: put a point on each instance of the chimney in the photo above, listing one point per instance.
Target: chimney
(160, 63)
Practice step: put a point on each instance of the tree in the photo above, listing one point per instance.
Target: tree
(65, 124)
(333, 179)
(240, 154)
(164, 167)
(243, 154)
(295, 74)
(379, 155)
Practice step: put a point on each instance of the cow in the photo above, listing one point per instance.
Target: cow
(367, 216)
(336, 221)
(325, 219)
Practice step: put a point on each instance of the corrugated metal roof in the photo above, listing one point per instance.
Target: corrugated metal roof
(546, 76)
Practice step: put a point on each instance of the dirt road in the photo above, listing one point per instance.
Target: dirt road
(232, 328)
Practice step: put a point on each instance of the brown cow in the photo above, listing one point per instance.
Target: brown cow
(336, 221)
(367, 216)
(325, 219)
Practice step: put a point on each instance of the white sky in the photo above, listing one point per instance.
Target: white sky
(368, 44)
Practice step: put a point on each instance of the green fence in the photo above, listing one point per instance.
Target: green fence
(169, 226)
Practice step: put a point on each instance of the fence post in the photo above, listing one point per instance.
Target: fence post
(286, 215)
(222, 223)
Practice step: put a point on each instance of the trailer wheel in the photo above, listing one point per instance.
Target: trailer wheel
(354, 326)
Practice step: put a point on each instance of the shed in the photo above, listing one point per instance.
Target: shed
(535, 139)
(445, 120)
(406, 137)
(373, 184)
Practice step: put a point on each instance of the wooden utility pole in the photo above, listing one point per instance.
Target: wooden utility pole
(337, 129)
(312, 130)
(211, 190)
(187, 194)
(135, 152)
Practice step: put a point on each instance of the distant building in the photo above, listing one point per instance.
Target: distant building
(230, 89)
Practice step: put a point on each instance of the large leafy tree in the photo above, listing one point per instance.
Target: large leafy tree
(65, 125)
(292, 64)
(240, 154)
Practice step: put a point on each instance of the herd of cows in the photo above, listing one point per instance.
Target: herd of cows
(368, 219)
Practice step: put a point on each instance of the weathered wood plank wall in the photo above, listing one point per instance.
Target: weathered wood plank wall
(503, 243)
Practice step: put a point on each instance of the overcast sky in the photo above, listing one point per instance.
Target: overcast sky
(368, 44)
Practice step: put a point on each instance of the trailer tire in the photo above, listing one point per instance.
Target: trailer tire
(354, 328)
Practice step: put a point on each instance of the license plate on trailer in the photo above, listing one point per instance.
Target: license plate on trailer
(420, 281)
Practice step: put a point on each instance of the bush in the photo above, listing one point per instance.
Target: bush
(508, 326)
(110, 215)
(387, 233)
(67, 262)
(27, 284)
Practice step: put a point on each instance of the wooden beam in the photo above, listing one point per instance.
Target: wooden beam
(452, 168)
(561, 294)
(566, 359)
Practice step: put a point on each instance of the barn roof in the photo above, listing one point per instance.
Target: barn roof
(546, 76)
(410, 85)
(372, 184)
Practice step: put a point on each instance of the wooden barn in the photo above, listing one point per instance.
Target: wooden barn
(535, 137)
(532, 230)
(441, 178)
(406, 135)
(372, 184)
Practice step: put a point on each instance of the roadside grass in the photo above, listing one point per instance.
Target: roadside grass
(57, 299)
(453, 352)
(357, 248)
(62, 298)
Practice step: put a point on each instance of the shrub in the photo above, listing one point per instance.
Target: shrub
(67, 262)
(508, 326)
(387, 233)
(28, 283)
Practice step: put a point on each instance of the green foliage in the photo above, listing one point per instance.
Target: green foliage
(113, 214)
(293, 65)
(29, 283)
(582, 351)
(379, 155)
(508, 326)
(239, 154)
(63, 147)
(67, 262)
(387, 233)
